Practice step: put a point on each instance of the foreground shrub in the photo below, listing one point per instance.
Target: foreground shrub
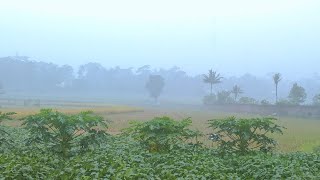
(161, 134)
(125, 159)
(316, 149)
(4, 135)
(244, 135)
(61, 132)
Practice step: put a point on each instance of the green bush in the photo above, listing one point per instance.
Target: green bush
(124, 159)
(60, 132)
(5, 137)
(223, 97)
(284, 102)
(265, 102)
(161, 134)
(247, 100)
(210, 99)
(245, 135)
(316, 149)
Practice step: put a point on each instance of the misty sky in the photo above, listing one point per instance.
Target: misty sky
(233, 37)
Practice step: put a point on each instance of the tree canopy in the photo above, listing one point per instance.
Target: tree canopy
(297, 94)
(155, 86)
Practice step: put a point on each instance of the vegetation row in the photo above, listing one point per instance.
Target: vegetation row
(55, 145)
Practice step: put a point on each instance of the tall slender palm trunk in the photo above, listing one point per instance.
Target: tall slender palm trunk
(276, 93)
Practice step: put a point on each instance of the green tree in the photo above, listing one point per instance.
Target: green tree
(223, 97)
(244, 135)
(297, 94)
(276, 80)
(155, 86)
(236, 91)
(212, 78)
(316, 100)
(61, 132)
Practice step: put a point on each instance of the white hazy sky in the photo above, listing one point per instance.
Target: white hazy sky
(231, 36)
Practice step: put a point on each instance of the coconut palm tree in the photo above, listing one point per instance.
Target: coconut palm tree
(236, 90)
(276, 79)
(212, 78)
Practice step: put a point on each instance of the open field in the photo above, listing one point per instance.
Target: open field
(300, 135)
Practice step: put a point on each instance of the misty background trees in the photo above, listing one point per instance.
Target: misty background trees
(236, 91)
(297, 94)
(21, 76)
(155, 86)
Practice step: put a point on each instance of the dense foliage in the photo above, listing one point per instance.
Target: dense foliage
(126, 156)
(161, 134)
(155, 86)
(125, 159)
(61, 132)
(5, 138)
(244, 135)
(297, 94)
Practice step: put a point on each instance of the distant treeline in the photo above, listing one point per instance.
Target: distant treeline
(20, 75)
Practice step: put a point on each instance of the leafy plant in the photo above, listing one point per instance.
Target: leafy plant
(125, 159)
(245, 135)
(161, 134)
(4, 135)
(62, 132)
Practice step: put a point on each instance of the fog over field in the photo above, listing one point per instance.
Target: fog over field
(232, 37)
(109, 48)
(166, 89)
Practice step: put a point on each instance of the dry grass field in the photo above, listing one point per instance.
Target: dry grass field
(300, 135)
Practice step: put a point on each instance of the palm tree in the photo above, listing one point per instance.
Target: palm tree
(236, 90)
(212, 78)
(276, 80)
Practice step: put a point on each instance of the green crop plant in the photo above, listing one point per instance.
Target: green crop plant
(244, 135)
(161, 134)
(61, 132)
(4, 135)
